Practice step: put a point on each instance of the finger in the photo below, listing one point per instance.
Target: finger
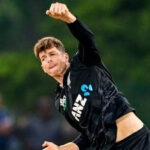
(62, 9)
(59, 9)
(45, 144)
(51, 10)
(55, 8)
(65, 9)
(47, 12)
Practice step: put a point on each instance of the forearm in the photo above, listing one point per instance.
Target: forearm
(69, 146)
(87, 50)
(82, 33)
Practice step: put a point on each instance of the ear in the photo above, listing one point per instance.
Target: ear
(67, 57)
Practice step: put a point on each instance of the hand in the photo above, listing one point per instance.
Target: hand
(50, 146)
(60, 11)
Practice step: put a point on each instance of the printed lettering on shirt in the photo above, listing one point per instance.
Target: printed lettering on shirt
(63, 102)
(78, 107)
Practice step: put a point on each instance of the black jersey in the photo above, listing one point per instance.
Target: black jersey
(89, 99)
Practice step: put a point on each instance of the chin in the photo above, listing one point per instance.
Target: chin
(53, 74)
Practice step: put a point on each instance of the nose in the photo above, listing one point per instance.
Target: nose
(49, 59)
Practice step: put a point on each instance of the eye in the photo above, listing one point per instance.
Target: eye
(42, 59)
(52, 54)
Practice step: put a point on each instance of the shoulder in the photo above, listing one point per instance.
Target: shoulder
(76, 62)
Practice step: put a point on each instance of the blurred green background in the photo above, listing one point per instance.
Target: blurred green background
(122, 34)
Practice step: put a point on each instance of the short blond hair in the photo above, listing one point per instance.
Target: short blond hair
(46, 43)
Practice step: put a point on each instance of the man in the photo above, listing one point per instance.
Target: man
(86, 94)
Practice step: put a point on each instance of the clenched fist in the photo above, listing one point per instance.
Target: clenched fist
(60, 11)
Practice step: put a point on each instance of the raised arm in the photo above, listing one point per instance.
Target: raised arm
(88, 53)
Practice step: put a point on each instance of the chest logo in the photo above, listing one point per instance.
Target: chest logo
(63, 102)
(86, 89)
(78, 107)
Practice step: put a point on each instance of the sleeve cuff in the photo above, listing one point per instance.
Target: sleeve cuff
(82, 142)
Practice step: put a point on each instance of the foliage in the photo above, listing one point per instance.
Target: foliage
(122, 30)
(22, 80)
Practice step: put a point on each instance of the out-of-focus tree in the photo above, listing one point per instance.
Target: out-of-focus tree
(122, 33)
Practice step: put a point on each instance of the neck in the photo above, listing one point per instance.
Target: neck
(60, 78)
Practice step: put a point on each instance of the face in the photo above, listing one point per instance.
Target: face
(54, 62)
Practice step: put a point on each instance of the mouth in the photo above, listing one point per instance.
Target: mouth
(53, 66)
